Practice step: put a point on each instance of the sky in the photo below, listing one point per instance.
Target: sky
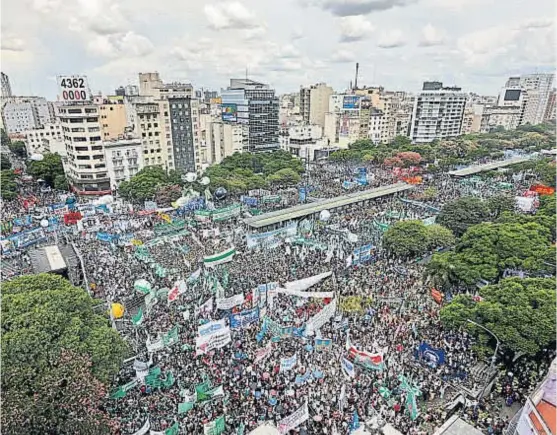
(475, 44)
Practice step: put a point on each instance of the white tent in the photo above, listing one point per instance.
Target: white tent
(265, 429)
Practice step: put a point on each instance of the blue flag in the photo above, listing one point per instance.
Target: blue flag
(355, 423)
(431, 354)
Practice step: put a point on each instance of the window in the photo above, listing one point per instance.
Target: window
(98, 157)
(90, 110)
(78, 130)
(94, 138)
(96, 148)
(74, 110)
(82, 157)
(82, 149)
(80, 139)
(95, 119)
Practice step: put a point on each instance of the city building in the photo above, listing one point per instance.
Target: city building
(20, 114)
(124, 159)
(47, 139)
(314, 103)
(376, 125)
(156, 140)
(538, 415)
(184, 113)
(494, 117)
(6, 87)
(222, 140)
(538, 88)
(550, 111)
(254, 104)
(86, 165)
(472, 120)
(304, 141)
(438, 113)
(114, 119)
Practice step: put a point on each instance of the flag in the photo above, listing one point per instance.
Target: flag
(215, 427)
(185, 407)
(169, 381)
(355, 423)
(225, 277)
(201, 391)
(194, 277)
(342, 398)
(173, 430)
(171, 337)
(215, 392)
(173, 294)
(437, 296)
(241, 429)
(138, 318)
(118, 394)
(219, 258)
(368, 360)
(347, 368)
(430, 354)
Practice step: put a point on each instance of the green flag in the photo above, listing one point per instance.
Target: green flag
(118, 394)
(215, 427)
(185, 407)
(138, 318)
(201, 391)
(241, 429)
(173, 430)
(169, 381)
(171, 337)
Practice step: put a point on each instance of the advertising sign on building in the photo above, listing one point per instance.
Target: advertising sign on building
(230, 112)
(73, 88)
(351, 102)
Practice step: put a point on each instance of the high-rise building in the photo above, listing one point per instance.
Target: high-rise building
(26, 113)
(550, 111)
(184, 113)
(114, 120)
(254, 104)
(314, 103)
(6, 87)
(148, 127)
(542, 84)
(438, 113)
(47, 139)
(86, 165)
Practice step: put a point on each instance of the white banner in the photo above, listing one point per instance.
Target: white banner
(207, 307)
(288, 363)
(525, 203)
(319, 295)
(303, 284)
(294, 420)
(321, 317)
(231, 302)
(213, 341)
(264, 352)
(154, 346)
(144, 429)
(211, 327)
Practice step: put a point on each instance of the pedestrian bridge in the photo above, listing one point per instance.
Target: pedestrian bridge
(303, 210)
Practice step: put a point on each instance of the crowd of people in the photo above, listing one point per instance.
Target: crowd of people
(272, 364)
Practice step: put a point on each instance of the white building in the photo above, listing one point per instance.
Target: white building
(438, 113)
(26, 113)
(542, 84)
(48, 139)
(223, 140)
(377, 120)
(86, 165)
(124, 159)
(6, 87)
(507, 117)
(314, 103)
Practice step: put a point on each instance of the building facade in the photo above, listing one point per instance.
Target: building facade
(314, 103)
(255, 105)
(538, 87)
(148, 126)
(114, 120)
(6, 87)
(124, 159)
(86, 165)
(182, 112)
(438, 113)
(47, 139)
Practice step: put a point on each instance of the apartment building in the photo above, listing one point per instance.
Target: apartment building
(86, 165)
(6, 87)
(438, 113)
(47, 139)
(314, 103)
(20, 114)
(114, 119)
(124, 159)
(148, 126)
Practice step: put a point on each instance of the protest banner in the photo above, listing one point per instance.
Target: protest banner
(231, 302)
(288, 363)
(245, 318)
(216, 340)
(211, 327)
(293, 420)
(219, 258)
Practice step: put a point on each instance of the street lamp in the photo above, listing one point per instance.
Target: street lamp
(493, 335)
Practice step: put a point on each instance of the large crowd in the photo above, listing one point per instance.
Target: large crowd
(274, 365)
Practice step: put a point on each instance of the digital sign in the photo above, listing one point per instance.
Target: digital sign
(230, 112)
(351, 102)
(73, 88)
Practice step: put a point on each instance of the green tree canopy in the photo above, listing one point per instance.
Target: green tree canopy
(284, 176)
(462, 213)
(412, 238)
(520, 312)
(52, 339)
(145, 184)
(18, 148)
(5, 163)
(49, 169)
(8, 185)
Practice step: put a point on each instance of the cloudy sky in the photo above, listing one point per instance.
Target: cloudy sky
(475, 44)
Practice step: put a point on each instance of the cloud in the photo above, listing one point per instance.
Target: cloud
(537, 23)
(229, 15)
(254, 33)
(347, 8)
(11, 43)
(128, 44)
(354, 28)
(391, 39)
(431, 36)
(342, 55)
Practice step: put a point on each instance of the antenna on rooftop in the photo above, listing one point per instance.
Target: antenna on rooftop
(356, 78)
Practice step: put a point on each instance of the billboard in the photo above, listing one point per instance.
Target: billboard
(230, 112)
(73, 88)
(351, 102)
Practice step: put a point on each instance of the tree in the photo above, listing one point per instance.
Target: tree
(5, 163)
(409, 158)
(520, 312)
(60, 182)
(284, 177)
(4, 138)
(18, 148)
(439, 237)
(47, 169)
(486, 250)
(499, 204)
(57, 353)
(406, 239)
(401, 142)
(462, 213)
(145, 184)
(8, 186)
(345, 156)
